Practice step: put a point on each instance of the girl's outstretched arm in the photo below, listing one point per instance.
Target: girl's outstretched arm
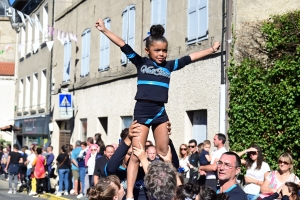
(200, 54)
(113, 37)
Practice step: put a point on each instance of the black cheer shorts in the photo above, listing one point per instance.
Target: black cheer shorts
(150, 113)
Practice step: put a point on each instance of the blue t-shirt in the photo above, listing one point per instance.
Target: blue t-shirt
(202, 158)
(153, 80)
(74, 156)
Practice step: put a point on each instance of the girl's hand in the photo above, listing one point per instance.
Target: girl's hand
(139, 152)
(100, 25)
(168, 157)
(134, 130)
(285, 191)
(169, 127)
(216, 46)
(251, 149)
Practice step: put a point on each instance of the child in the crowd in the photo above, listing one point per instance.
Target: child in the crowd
(204, 159)
(153, 75)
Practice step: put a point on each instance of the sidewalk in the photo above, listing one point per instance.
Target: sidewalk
(48, 196)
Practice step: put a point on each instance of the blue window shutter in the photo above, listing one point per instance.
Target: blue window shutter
(192, 20)
(107, 46)
(203, 18)
(65, 62)
(88, 50)
(163, 13)
(124, 33)
(83, 50)
(131, 27)
(154, 12)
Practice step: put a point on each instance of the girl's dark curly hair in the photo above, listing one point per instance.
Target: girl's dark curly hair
(156, 34)
(187, 191)
(105, 189)
(260, 158)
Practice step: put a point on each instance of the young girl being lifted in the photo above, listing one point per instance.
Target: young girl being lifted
(153, 74)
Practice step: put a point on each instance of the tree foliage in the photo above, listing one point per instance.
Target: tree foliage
(265, 89)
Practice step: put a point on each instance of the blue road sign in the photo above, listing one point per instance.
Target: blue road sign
(65, 100)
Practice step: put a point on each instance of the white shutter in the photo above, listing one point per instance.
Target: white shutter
(154, 12)
(131, 27)
(192, 20)
(83, 46)
(202, 18)
(163, 13)
(88, 50)
(102, 50)
(124, 33)
(107, 47)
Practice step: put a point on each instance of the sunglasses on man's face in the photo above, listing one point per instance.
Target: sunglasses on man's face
(93, 149)
(190, 146)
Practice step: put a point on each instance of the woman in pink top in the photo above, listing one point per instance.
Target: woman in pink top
(39, 170)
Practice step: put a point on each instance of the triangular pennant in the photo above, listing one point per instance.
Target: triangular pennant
(33, 21)
(29, 19)
(13, 14)
(2, 52)
(75, 37)
(62, 38)
(35, 47)
(8, 47)
(49, 30)
(22, 17)
(53, 31)
(19, 47)
(50, 44)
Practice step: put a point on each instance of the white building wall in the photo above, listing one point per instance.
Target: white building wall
(7, 99)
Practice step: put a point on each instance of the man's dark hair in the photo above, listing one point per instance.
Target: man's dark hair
(147, 147)
(222, 137)
(207, 193)
(84, 144)
(109, 146)
(237, 158)
(51, 147)
(124, 133)
(25, 147)
(16, 147)
(160, 181)
(193, 141)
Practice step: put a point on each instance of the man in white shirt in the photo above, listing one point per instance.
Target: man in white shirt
(211, 179)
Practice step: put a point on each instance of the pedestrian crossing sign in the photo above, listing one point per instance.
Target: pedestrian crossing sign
(65, 100)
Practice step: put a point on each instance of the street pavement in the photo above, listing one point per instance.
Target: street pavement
(24, 196)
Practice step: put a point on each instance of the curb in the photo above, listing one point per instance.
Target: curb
(52, 197)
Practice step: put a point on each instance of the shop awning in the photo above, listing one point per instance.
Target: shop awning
(6, 128)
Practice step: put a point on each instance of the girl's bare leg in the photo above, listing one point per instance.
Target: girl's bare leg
(133, 165)
(161, 137)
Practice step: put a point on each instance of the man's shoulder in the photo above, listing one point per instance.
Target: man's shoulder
(237, 193)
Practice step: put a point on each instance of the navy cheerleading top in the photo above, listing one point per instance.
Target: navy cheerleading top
(153, 80)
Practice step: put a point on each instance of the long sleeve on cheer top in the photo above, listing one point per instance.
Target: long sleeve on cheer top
(116, 159)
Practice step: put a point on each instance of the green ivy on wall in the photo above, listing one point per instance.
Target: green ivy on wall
(265, 92)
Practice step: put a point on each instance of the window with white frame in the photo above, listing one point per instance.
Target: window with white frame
(29, 37)
(128, 29)
(43, 89)
(37, 29)
(27, 93)
(104, 48)
(3, 7)
(85, 55)
(197, 125)
(159, 12)
(67, 61)
(197, 20)
(21, 94)
(45, 23)
(126, 121)
(35, 82)
(23, 44)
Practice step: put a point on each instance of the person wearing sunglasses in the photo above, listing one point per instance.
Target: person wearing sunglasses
(193, 161)
(256, 172)
(184, 160)
(277, 178)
